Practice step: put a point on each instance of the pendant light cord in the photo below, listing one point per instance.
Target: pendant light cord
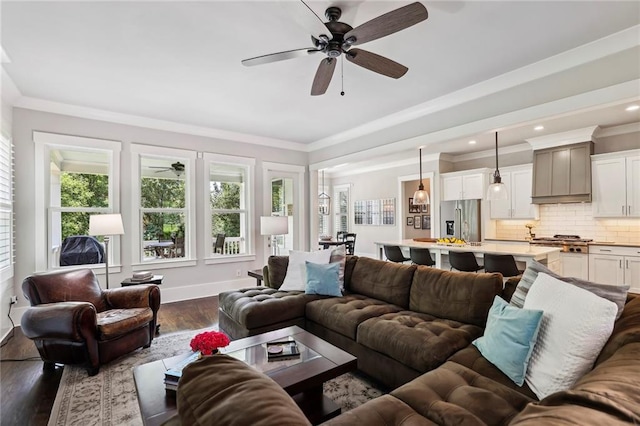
(497, 152)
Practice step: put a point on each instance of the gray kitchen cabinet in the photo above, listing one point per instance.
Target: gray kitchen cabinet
(562, 174)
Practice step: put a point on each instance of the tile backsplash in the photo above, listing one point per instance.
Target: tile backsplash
(574, 219)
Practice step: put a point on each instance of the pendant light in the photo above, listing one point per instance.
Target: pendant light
(497, 190)
(324, 201)
(421, 197)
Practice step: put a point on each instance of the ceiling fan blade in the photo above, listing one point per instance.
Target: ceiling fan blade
(376, 63)
(280, 56)
(386, 24)
(304, 16)
(323, 76)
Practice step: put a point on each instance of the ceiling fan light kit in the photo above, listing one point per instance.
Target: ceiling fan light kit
(342, 36)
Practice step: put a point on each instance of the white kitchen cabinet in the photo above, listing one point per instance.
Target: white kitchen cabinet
(518, 181)
(615, 265)
(574, 265)
(616, 184)
(463, 186)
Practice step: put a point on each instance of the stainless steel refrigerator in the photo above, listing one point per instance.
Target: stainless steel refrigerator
(461, 219)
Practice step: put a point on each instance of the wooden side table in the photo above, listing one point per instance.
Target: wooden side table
(156, 279)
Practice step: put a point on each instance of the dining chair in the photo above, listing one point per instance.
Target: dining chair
(340, 236)
(421, 256)
(218, 248)
(394, 254)
(350, 239)
(464, 261)
(503, 263)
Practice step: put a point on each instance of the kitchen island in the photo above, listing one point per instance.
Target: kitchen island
(549, 256)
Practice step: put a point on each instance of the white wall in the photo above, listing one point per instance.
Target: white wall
(179, 283)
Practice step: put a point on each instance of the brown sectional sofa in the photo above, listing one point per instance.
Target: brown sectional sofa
(411, 328)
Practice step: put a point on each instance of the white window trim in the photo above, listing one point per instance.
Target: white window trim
(250, 163)
(6, 273)
(44, 143)
(138, 150)
(336, 189)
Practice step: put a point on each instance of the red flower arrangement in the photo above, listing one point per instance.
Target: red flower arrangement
(209, 342)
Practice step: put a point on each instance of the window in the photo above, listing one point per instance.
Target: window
(323, 219)
(341, 196)
(6, 208)
(164, 197)
(81, 175)
(228, 191)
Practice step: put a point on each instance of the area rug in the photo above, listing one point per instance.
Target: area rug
(109, 397)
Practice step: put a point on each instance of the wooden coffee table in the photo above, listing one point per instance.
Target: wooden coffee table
(301, 378)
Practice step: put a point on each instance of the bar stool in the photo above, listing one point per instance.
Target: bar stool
(464, 261)
(503, 263)
(421, 256)
(394, 254)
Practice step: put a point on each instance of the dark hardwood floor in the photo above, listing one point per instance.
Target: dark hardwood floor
(27, 392)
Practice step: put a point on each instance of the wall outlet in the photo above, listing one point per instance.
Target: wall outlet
(238, 272)
(14, 299)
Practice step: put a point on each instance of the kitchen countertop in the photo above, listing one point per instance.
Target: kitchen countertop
(610, 243)
(502, 240)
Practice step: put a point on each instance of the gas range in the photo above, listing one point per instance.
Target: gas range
(568, 243)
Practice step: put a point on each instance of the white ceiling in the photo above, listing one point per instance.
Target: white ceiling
(180, 61)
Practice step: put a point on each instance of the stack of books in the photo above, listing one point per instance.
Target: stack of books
(172, 375)
(142, 276)
(278, 351)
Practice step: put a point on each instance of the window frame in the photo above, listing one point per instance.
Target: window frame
(337, 189)
(47, 142)
(7, 160)
(139, 151)
(249, 165)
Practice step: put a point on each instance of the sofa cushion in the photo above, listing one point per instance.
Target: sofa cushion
(509, 338)
(607, 395)
(116, 322)
(455, 395)
(295, 280)
(323, 279)
(277, 270)
(471, 358)
(459, 296)
(625, 330)
(384, 411)
(419, 341)
(217, 389)
(261, 306)
(344, 314)
(575, 326)
(386, 281)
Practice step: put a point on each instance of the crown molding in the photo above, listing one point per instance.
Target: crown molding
(152, 123)
(565, 138)
(623, 129)
(521, 147)
(580, 55)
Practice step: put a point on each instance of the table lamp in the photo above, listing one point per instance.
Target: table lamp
(106, 225)
(273, 226)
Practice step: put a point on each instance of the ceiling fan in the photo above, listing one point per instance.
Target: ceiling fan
(177, 168)
(334, 38)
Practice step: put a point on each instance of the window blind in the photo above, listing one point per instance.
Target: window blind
(6, 207)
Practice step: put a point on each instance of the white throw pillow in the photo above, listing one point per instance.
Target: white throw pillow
(295, 279)
(575, 326)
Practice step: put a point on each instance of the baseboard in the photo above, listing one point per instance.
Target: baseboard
(176, 294)
(5, 335)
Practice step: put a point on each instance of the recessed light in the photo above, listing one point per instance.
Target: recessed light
(472, 142)
(632, 107)
(538, 128)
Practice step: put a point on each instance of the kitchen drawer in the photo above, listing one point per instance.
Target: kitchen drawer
(615, 250)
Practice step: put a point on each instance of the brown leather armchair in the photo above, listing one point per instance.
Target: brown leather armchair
(73, 321)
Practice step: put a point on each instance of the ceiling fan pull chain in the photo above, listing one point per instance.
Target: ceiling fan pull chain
(342, 74)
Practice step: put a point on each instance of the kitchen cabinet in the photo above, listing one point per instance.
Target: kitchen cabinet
(518, 181)
(562, 174)
(615, 265)
(574, 265)
(463, 185)
(616, 184)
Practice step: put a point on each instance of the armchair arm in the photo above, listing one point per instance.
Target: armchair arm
(136, 296)
(63, 320)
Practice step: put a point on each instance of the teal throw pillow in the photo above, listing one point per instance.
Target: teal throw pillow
(509, 338)
(323, 279)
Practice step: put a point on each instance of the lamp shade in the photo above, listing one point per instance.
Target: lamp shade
(106, 224)
(274, 225)
(497, 191)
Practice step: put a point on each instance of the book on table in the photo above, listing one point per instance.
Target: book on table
(172, 375)
(281, 350)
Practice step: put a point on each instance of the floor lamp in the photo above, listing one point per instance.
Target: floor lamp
(106, 225)
(273, 226)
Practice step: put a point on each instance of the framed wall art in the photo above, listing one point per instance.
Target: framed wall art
(413, 208)
(426, 221)
(410, 221)
(416, 222)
